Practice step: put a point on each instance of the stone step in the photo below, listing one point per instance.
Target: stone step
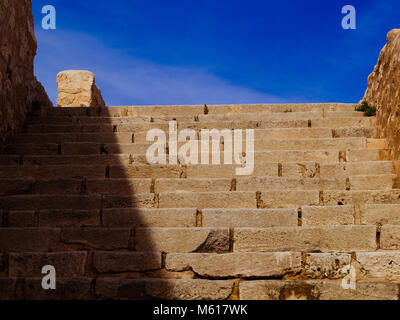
(372, 182)
(278, 115)
(235, 265)
(367, 155)
(54, 218)
(76, 128)
(112, 288)
(179, 240)
(54, 172)
(276, 183)
(31, 240)
(306, 239)
(250, 184)
(327, 215)
(358, 171)
(160, 289)
(75, 160)
(250, 218)
(239, 199)
(319, 156)
(127, 137)
(332, 198)
(311, 144)
(351, 238)
(315, 290)
(278, 123)
(75, 148)
(48, 202)
(118, 125)
(56, 183)
(289, 107)
(118, 137)
(279, 156)
(74, 186)
(197, 110)
(379, 266)
(343, 122)
(109, 218)
(384, 214)
(354, 131)
(363, 182)
(380, 214)
(83, 148)
(355, 169)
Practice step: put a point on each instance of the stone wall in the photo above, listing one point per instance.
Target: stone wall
(384, 93)
(19, 88)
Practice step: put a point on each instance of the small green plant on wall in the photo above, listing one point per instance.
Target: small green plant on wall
(369, 111)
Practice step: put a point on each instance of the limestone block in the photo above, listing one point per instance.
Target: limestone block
(77, 88)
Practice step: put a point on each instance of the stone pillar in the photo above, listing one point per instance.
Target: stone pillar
(77, 88)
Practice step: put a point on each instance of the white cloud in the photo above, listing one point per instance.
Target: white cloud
(126, 80)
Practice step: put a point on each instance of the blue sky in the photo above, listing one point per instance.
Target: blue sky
(215, 52)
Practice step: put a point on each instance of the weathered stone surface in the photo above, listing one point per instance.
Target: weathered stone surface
(118, 186)
(117, 262)
(256, 218)
(380, 214)
(390, 237)
(182, 240)
(288, 199)
(69, 218)
(277, 290)
(48, 202)
(282, 183)
(25, 240)
(314, 290)
(364, 291)
(150, 218)
(8, 289)
(13, 187)
(367, 132)
(379, 265)
(348, 169)
(372, 182)
(299, 170)
(325, 216)
(124, 289)
(208, 199)
(379, 144)
(145, 200)
(243, 265)
(77, 88)
(20, 91)
(384, 92)
(332, 198)
(366, 155)
(67, 264)
(326, 265)
(324, 239)
(22, 219)
(192, 185)
(67, 289)
(102, 239)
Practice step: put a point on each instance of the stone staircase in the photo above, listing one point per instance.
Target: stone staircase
(77, 193)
